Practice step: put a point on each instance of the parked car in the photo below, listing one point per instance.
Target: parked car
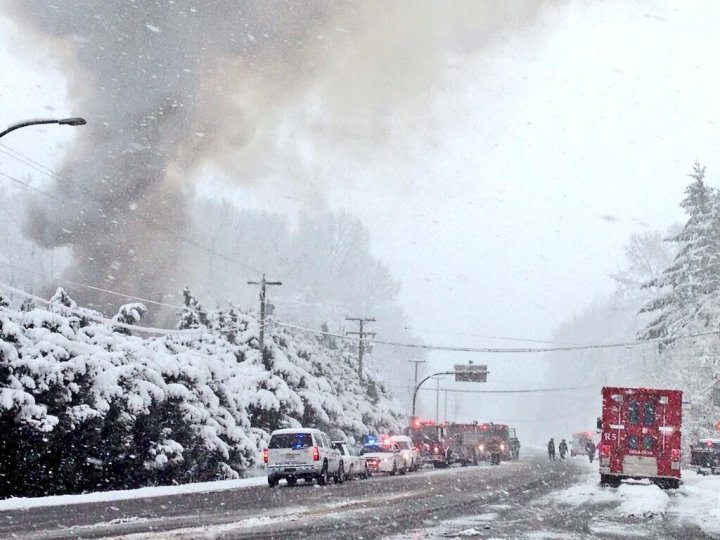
(384, 457)
(408, 451)
(304, 453)
(355, 464)
(705, 456)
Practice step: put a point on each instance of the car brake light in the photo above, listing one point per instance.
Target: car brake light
(265, 455)
(316, 453)
(675, 454)
(605, 450)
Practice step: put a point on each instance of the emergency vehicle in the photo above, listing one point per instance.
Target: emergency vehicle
(705, 456)
(579, 443)
(428, 438)
(641, 435)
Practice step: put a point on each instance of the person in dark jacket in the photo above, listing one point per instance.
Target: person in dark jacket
(590, 449)
(551, 449)
(563, 448)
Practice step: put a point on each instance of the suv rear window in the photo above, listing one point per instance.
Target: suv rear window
(296, 441)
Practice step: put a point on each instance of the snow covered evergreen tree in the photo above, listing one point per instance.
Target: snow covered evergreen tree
(689, 305)
(695, 272)
(192, 315)
(83, 407)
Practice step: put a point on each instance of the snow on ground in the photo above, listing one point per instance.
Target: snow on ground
(699, 502)
(635, 499)
(141, 493)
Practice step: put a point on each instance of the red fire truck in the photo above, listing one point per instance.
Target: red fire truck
(641, 432)
(428, 438)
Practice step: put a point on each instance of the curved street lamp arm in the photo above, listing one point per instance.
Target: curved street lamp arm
(76, 121)
(421, 383)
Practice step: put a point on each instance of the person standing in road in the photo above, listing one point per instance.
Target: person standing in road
(563, 448)
(590, 449)
(551, 449)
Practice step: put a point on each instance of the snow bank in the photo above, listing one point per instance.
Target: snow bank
(16, 503)
(699, 502)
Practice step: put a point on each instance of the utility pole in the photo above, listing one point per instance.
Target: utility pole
(445, 416)
(437, 400)
(263, 296)
(361, 342)
(416, 362)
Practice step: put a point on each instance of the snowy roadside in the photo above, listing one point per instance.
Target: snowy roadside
(695, 503)
(588, 510)
(18, 503)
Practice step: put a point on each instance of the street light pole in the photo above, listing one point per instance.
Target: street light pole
(76, 121)
(422, 382)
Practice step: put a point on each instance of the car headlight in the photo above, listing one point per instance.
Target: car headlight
(481, 447)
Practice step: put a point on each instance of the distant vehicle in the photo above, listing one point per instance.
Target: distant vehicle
(509, 443)
(408, 450)
(641, 432)
(384, 457)
(579, 443)
(427, 437)
(705, 456)
(466, 444)
(304, 453)
(354, 464)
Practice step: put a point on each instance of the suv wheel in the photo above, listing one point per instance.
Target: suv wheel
(323, 477)
(340, 476)
(272, 481)
(394, 469)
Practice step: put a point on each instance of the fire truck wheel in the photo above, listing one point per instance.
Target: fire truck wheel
(609, 480)
(668, 483)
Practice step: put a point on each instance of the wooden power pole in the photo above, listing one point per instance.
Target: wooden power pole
(263, 296)
(361, 342)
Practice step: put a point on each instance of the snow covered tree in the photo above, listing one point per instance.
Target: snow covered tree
(192, 315)
(695, 272)
(688, 305)
(129, 314)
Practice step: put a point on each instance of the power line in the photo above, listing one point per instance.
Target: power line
(500, 350)
(91, 287)
(528, 340)
(90, 316)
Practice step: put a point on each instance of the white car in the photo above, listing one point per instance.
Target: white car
(384, 457)
(302, 453)
(355, 464)
(409, 452)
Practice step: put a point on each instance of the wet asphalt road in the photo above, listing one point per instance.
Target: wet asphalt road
(412, 506)
(360, 509)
